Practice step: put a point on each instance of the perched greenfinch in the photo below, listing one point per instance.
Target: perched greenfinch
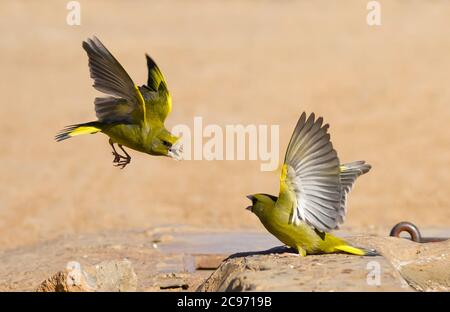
(313, 193)
(130, 116)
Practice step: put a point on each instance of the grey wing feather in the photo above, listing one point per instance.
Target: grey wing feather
(348, 175)
(313, 174)
(111, 78)
(111, 109)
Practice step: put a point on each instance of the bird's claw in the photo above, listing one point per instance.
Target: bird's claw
(121, 164)
(120, 161)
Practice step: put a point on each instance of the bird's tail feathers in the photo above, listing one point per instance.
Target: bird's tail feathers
(79, 129)
(357, 251)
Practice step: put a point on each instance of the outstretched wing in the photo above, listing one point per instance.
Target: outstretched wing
(126, 102)
(348, 175)
(311, 172)
(159, 102)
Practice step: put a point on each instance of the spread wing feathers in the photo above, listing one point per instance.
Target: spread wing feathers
(348, 175)
(161, 106)
(155, 77)
(111, 109)
(313, 174)
(110, 78)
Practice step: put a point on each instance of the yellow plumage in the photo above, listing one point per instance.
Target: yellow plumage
(313, 192)
(131, 116)
(83, 130)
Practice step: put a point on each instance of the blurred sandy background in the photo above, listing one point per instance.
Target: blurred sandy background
(384, 90)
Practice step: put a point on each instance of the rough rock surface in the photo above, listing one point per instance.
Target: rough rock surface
(403, 266)
(426, 267)
(177, 258)
(288, 272)
(105, 276)
(174, 258)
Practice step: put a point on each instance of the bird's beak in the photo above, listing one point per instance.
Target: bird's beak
(176, 151)
(249, 208)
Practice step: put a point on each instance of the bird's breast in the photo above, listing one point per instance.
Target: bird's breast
(278, 224)
(132, 136)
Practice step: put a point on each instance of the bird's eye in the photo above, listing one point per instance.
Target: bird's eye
(166, 144)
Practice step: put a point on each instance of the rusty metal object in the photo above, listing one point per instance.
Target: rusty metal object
(414, 233)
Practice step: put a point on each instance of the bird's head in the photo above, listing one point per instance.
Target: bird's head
(166, 144)
(261, 203)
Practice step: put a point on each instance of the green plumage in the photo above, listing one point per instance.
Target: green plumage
(131, 116)
(313, 192)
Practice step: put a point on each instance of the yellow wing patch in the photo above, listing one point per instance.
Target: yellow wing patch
(169, 103)
(141, 100)
(283, 172)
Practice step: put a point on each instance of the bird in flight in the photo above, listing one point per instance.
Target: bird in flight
(313, 192)
(131, 116)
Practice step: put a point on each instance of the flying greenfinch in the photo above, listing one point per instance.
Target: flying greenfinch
(130, 116)
(313, 193)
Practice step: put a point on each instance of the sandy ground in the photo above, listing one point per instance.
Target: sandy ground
(384, 90)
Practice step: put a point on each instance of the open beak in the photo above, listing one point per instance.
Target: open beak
(176, 151)
(249, 208)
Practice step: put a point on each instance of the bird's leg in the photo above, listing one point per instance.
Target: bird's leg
(123, 160)
(301, 251)
(117, 156)
(125, 152)
(114, 152)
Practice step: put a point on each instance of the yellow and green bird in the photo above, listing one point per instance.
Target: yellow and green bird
(313, 193)
(130, 115)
